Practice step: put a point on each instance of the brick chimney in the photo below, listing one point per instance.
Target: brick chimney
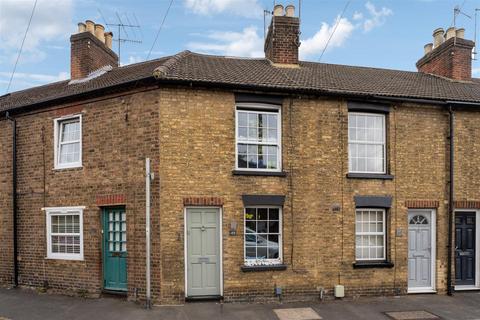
(282, 41)
(91, 49)
(449, 56)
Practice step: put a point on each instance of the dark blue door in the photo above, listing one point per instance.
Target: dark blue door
(465, 248)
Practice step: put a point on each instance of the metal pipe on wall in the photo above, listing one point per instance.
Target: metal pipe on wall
(450, 200)
(148, 179)
(14, 198)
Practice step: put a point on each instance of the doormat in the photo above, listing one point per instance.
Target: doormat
(296, 314)
(412, 315)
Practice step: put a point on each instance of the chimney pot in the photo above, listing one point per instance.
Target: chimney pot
(450, 33)
(428, 48)
(108, 39)
(90, 26)
(290, 10)
(82, 27)
(461, 33)
(99, 32)
(438, 38)
(278, 10)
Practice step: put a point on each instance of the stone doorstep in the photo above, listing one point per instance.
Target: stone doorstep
(412, 315)
(296, 314)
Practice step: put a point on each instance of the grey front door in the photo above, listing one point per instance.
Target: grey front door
(465, 248)
(420, 250)
(203, 252)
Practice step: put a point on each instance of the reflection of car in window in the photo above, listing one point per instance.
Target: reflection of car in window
(260, 240)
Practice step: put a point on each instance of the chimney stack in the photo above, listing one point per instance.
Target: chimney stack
(450, 56)
(91, 49)
(282, 41)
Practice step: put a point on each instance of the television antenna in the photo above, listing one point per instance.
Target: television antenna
(121, 26)
(458, 11)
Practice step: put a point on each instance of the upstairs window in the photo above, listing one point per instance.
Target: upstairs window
(68, 142)
(366, 143)
(258, 135)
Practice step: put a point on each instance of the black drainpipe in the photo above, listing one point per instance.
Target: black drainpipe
(14, 197)
(450, 201)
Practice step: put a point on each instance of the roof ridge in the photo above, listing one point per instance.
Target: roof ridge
(170, 64)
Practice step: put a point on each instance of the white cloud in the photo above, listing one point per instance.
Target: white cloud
(377, 16)
(243, 44)
(244, 8)
(476, 71)
(357, 15)
(315, 45)
(51, 22)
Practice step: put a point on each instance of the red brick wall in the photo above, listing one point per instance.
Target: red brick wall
(89, 54)
(118, 134)
(451, 59)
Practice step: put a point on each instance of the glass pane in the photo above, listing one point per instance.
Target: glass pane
(273, 226)
(261, 252)
(242, 119)
(250, 227)
(273, 213)
(242, 161)
(250, 253)
(272, 121)
(262, 227)
(250, 213)
(242, 133)
(262, 214)
(252, 120)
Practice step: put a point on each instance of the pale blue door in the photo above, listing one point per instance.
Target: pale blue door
(203, 252)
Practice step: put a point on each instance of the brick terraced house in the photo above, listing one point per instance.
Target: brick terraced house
(271, 177)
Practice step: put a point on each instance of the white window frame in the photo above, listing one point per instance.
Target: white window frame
(57, 132)
(63, 211)
(257, 262)
(384, 258)
(259, 108)
(384, 121)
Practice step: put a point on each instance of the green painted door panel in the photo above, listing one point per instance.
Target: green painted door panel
(203, 252)
(114, 249)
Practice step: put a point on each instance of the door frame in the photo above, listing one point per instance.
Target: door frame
(477, 249)
(103, 213)
(185, 249)
(433, 253)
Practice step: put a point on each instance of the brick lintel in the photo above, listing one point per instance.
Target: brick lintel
(420, 204)
(467, 204)
(111, 199)
(203, 201)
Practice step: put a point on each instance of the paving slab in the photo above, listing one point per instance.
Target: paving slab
(23, 304)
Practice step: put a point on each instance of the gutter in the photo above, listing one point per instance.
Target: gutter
(14, 197)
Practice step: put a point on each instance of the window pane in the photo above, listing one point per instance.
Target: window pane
(273, 214)
(250, 227)
(242, 133)
(261, 252)
(272, 121)
(242, 119)
(262, 227)
(250, 252)
(273, 226)
(262, 214)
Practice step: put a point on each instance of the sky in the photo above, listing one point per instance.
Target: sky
(385, 34)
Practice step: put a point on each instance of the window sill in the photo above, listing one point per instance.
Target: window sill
(259, 173)
(372, 264)
(76, 167)
(64, 258)
(369, 176)
(274, 267)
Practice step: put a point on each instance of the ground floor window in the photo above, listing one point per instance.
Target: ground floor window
(370, 234)
(65, 233)
(263, 235)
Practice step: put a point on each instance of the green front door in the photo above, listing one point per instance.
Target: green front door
(114, 249)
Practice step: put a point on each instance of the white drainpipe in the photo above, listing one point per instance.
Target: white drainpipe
(148, 180)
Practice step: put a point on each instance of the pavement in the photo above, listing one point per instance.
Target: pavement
(19, 304)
